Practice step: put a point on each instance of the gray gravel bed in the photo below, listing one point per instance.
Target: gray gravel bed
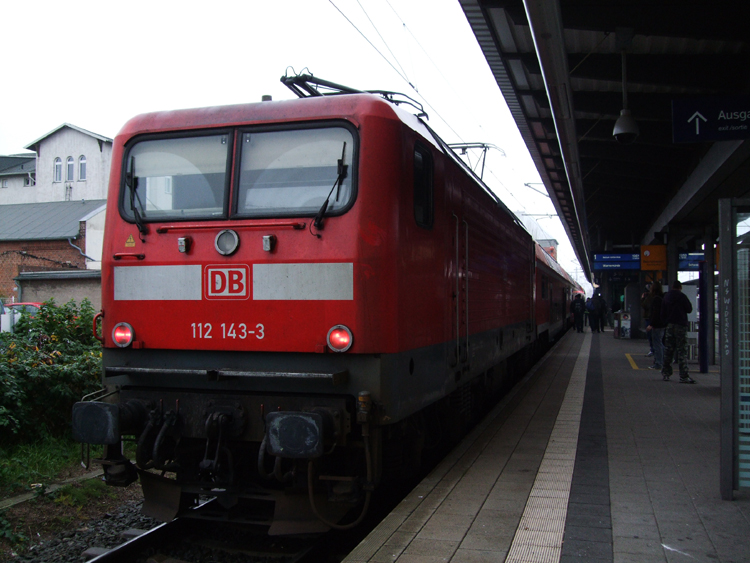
(68, 546)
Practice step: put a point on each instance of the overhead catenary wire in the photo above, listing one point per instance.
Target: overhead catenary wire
(427, 54)
(370, 42)
(403, 75)
(395, 58)
(433, 110)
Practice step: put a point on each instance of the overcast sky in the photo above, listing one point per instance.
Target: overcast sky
(97, 64)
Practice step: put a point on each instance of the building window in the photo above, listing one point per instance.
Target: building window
(5, 183)
(81, 168)
(58, 170)
(71, 169)
(28, 180)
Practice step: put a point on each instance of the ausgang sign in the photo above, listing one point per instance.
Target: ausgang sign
(695, 120)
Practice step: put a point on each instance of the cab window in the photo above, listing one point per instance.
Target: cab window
(423, 187)
(293, 172)
(177, 178)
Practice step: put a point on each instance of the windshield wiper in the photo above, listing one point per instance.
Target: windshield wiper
(342, 169)
(131, 181)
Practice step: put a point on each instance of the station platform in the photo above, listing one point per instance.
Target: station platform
(590, 458)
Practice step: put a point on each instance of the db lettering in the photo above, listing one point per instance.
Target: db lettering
(227, 283)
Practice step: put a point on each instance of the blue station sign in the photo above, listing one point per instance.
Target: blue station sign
(719, 118)
(617, 265)
(617, 262)
(689, 261)
(617, 257)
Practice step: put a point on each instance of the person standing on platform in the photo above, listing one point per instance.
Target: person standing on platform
(578, 308)
(656, 327)
(595, 312)
(675, 308)
(602, 313)
(646, 298)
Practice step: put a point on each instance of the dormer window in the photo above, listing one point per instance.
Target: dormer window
(58, 170)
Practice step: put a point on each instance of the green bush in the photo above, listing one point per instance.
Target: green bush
(46, 365)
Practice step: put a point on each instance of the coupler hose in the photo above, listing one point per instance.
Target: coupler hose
(262, 459)
(368, 494)
(145, 447)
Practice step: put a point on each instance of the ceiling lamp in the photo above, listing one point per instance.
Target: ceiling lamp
(626, 129)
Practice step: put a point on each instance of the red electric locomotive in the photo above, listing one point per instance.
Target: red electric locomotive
(298, 298)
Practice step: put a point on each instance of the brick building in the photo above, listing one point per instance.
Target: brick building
(52, 205)
(47, 236)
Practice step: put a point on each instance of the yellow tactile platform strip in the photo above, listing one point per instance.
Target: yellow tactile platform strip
(540, 533)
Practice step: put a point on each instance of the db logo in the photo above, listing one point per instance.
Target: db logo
(227, 282)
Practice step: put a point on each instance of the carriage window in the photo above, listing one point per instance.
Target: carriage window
(423, 206)
(293, 172)
(182, 178)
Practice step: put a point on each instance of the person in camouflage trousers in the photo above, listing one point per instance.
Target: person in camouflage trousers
(675, 308)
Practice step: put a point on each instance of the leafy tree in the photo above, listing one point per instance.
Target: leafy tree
(46, 365)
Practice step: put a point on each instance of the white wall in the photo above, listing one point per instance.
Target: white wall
(95, 239)
(15, 192)
(62, 144)
(15, 185)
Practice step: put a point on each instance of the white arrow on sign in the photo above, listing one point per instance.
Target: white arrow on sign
(695, 116)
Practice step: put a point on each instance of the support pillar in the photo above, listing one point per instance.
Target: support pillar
(709, 254)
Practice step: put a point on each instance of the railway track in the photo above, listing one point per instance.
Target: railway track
(200, 539)
(188, 540)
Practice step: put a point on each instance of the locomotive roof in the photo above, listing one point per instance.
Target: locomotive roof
(310, 109)
(545, 258)
(345, 106)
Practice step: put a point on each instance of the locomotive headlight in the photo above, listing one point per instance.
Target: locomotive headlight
(226, 242)
(123, 335)
(339, 338)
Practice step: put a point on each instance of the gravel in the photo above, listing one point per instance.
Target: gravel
(68, 546)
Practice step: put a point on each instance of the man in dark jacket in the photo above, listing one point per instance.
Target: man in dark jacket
(595, 312)
(578, 308)
(674, 311)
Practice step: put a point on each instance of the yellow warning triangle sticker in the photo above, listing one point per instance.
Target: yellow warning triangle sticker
(130, 241)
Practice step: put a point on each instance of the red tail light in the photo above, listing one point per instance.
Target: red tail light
(340, 338)
(123, 334)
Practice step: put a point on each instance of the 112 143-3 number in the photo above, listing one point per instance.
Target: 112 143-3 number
(205, 330)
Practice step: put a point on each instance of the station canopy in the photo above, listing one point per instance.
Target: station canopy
(561, 65)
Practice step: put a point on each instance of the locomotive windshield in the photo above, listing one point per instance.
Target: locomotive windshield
(177, 178)
(279, 173)
(292, 172)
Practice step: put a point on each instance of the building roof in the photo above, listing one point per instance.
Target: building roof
(101, 138)
(20, 166)
(60, 275)
(45, 221)
(13, 161)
